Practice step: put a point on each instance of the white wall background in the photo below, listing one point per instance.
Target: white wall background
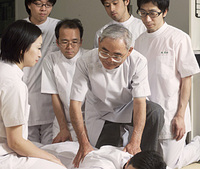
(93, 15)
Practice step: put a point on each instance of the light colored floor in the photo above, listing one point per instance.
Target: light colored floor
(192, 166)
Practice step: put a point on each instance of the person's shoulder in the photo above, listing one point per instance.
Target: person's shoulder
(7, 70)
(89, 52)
(9, 78)
(176, 33)
(83, 50)
(52, 21)
(135, 55)
(53, 56)
(134, 19)
(89, 56)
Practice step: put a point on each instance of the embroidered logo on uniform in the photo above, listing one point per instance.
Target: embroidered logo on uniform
(164, 52)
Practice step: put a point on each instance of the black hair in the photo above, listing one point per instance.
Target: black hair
(163, 5)
(102, 1)
(17, 38)
(69, 23)
(28, 2)
(147, 160)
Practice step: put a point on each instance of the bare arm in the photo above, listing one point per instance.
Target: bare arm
(64, 133)
(139, 119)
(26, 148)
(178, 124)
(77, 122)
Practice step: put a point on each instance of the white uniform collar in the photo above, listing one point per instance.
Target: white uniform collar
(72, 60)
(20, 73)
(127, 22)
(159, 31)
(41, 25)
(109, 70)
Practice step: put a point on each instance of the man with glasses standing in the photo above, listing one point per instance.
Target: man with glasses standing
(41, 111)
(57, 73)
(171, 64)
(114, 80)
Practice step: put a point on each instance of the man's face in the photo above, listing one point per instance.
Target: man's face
(113, 47)
(152, 24)
(69, 41)
(39, 14)
(117, 9)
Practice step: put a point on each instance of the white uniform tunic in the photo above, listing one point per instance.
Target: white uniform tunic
(14, 111)
(57, 74)
(170, 58)
(41, 111)
(110, 92)
(134, 25)
(14, 108)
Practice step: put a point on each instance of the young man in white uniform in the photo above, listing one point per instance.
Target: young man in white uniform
(41, 111)
(171, 63)
(115, 78)
(118, 10)
(57, 73)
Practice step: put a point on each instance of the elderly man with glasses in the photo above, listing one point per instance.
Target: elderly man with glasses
(171, 64)
(57, 73)
(114, 80)
(41, 111)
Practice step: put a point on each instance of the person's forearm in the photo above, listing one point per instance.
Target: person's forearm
(28, 149)
(59, 112)
(77, 122)
(184, 96)
(139, 119)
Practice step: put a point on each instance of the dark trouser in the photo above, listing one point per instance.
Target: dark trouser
(110, 134)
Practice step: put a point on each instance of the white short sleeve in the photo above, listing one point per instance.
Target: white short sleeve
(13, 102)
(187, 63)
(80, 81)
(48, 84)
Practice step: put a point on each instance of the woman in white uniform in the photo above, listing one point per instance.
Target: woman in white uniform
(20, 47)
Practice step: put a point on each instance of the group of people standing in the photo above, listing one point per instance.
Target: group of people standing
(131, 90)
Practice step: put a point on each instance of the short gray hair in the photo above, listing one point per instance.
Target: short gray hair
(117, 31)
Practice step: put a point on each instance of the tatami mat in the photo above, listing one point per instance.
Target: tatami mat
(192, 166)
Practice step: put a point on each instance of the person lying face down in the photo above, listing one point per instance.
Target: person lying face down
(114, 158)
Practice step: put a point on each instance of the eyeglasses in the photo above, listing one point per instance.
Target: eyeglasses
(65, 44)
(40, 5)
(152, 14)
(115, 58)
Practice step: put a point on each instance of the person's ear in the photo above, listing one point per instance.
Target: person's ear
(130, 50)
(99, 40)
(57, 43)
(126, 165)
(126, 2)
(165, 13)
(81, 41)
(29, 6)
